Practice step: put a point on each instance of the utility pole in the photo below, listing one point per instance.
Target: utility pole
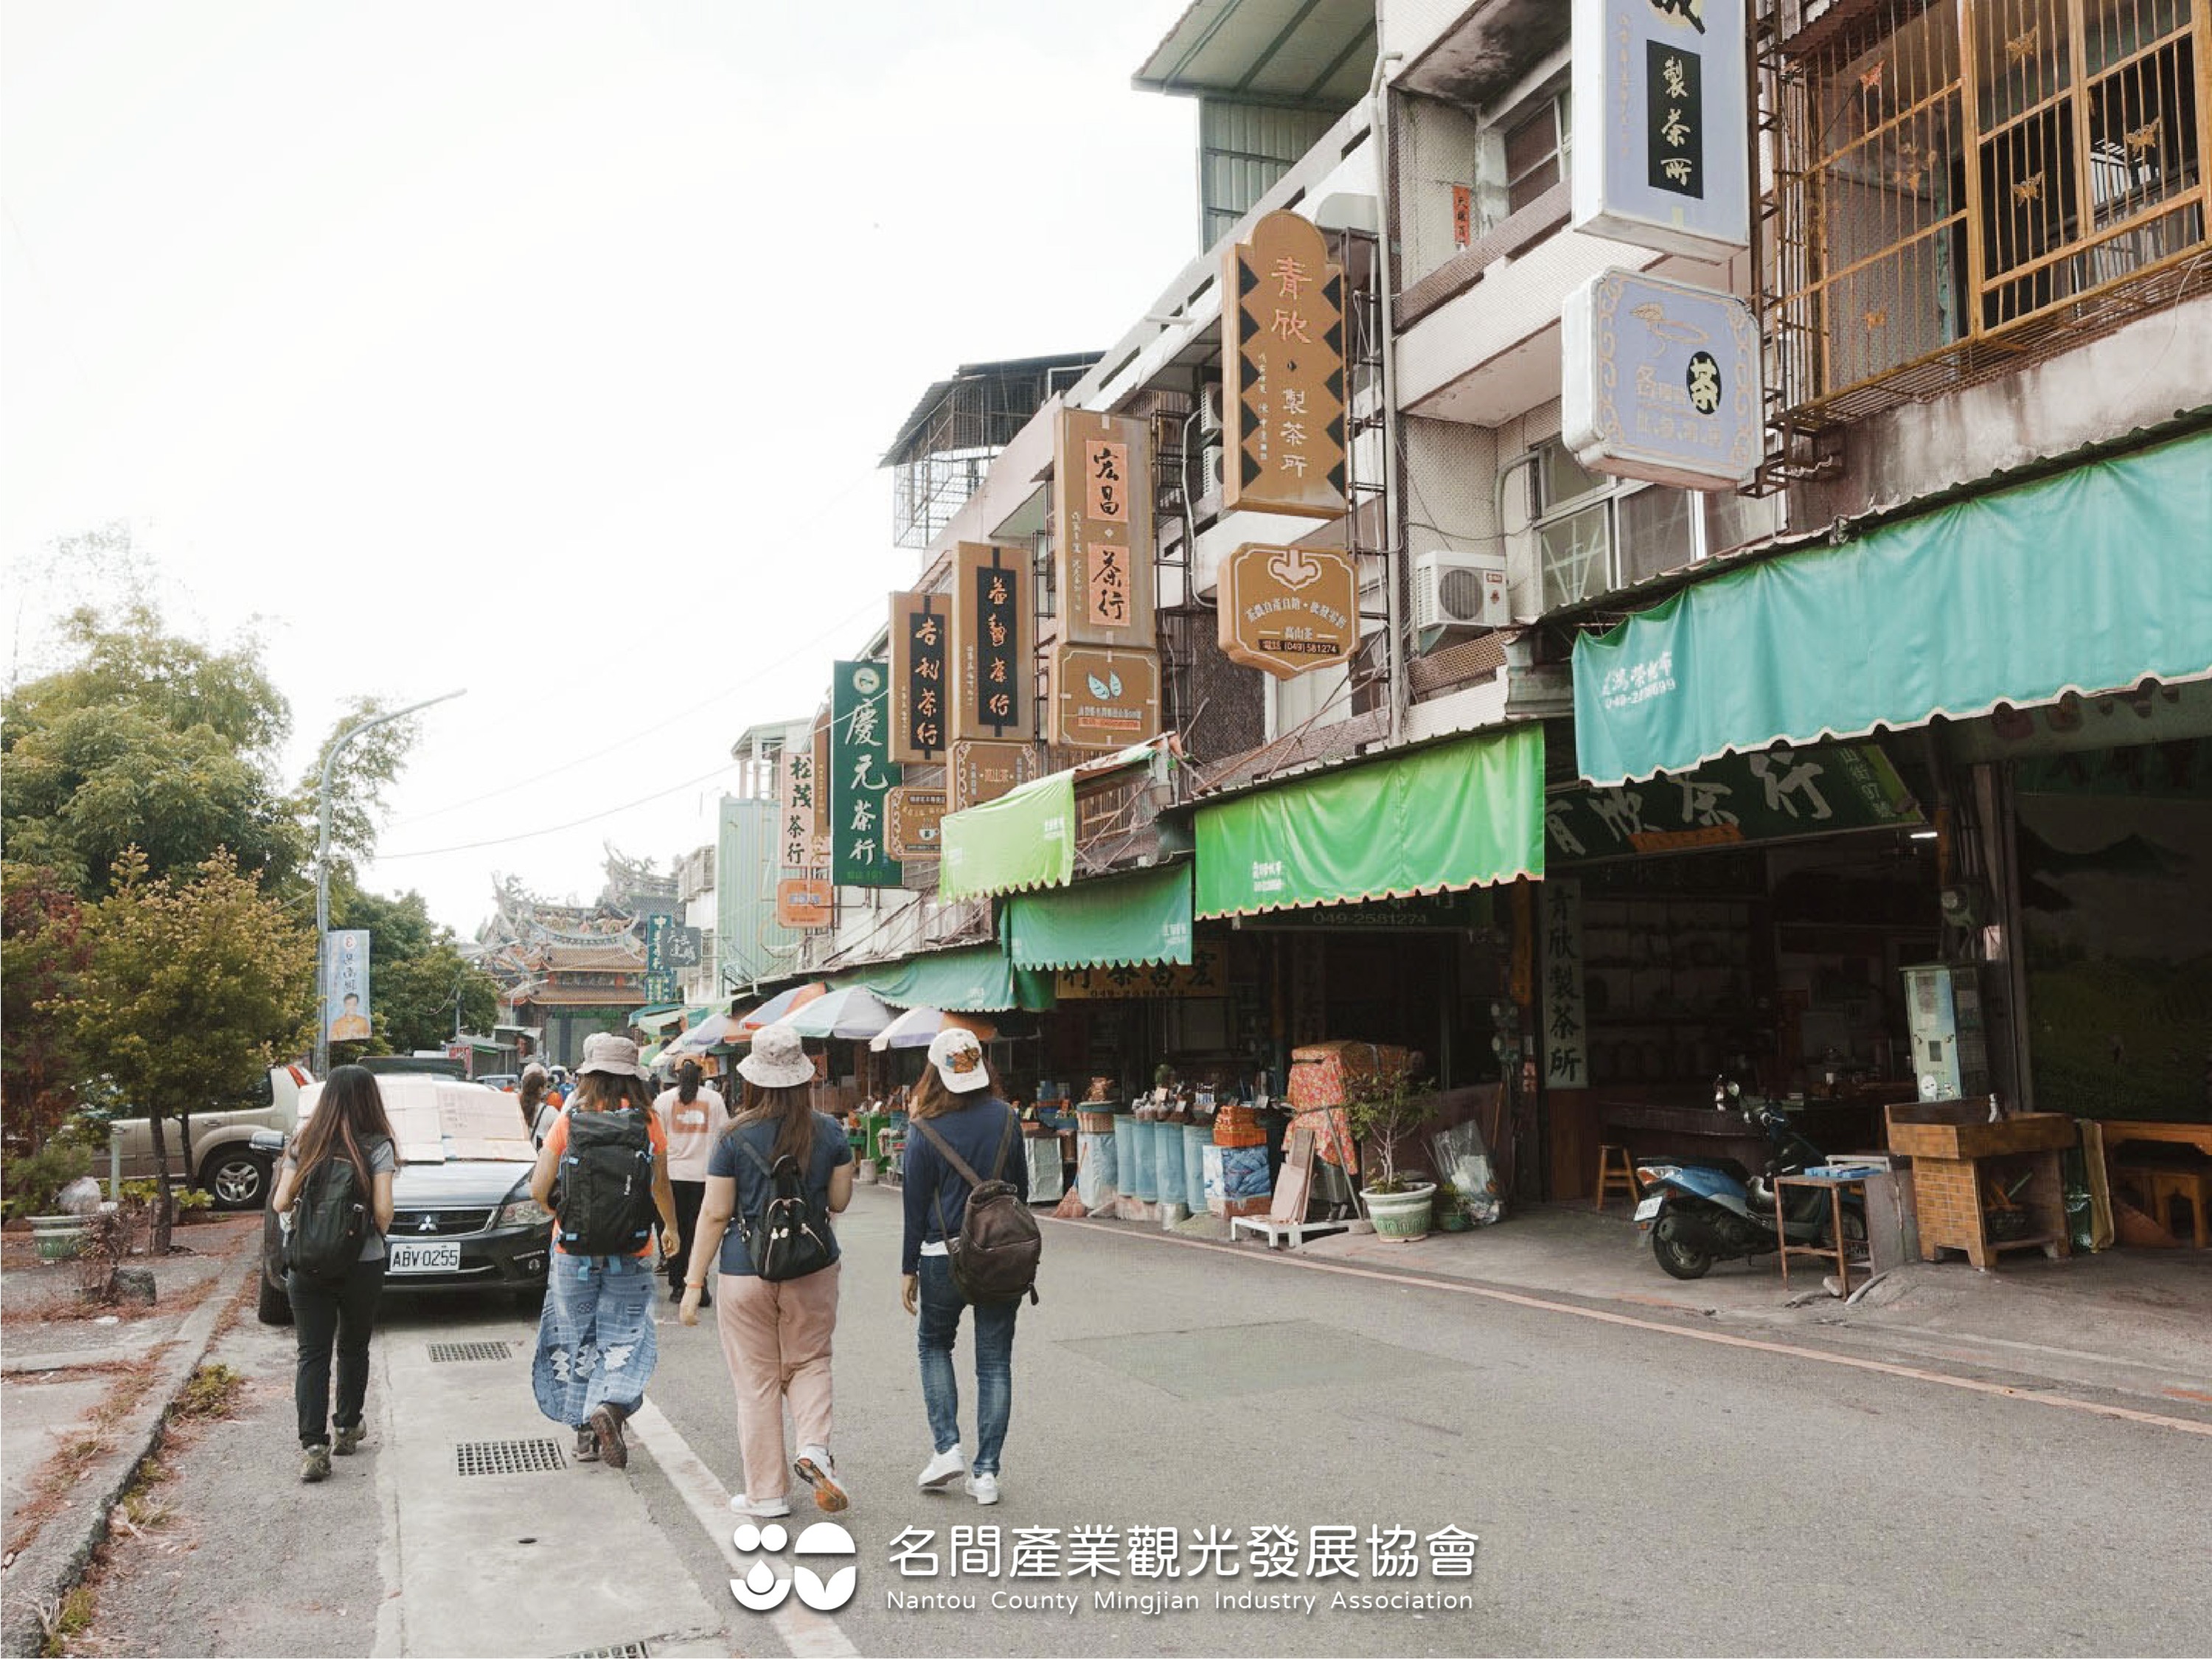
(323, 863)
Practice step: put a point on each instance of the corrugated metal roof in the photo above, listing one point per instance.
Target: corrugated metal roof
(1317, 52)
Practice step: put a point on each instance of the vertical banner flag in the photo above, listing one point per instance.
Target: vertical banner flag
(1282, 367)
(1102, 544)
(345, 985)
(861, 773)
(920, 625)
(1659, 90)
(994, 671)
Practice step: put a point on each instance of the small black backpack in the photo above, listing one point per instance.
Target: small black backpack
(606, 1184)
(330, 1221)
(790, 1237)
(995, 1257)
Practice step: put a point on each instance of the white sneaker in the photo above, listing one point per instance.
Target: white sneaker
(943, 1470)
(767, 1510)
(983, 1488)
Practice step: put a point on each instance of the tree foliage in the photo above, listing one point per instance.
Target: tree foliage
(43, 954)
(369, 766)
(193, 987)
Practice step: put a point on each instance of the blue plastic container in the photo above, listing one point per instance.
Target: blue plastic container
(1167, 1161)
(1197, 1138)
(1126, 1155)
(1141, 1178)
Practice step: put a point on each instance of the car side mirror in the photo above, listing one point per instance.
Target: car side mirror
(269, 1141)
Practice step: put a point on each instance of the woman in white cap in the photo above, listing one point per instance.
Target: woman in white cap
(954, 1098)
(775, 1333)
(596, 1342)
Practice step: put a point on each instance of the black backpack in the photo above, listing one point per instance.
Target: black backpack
(330, 1221)
(606, 1184)
(790, 1237)
(995, 1257)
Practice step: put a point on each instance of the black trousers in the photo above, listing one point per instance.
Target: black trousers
(327, 1313)
(689, 1195)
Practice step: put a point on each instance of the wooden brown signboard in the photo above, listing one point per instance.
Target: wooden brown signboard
(803, 903)
(1102, 528)
(822, 773)
(921, 649)
(1287, 610)
(1282, 356)
(911, 815)
(984, 771)
(993, 650)
(1104, 699)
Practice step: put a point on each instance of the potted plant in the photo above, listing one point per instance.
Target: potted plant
(1451, 1215)
(1384, 1107)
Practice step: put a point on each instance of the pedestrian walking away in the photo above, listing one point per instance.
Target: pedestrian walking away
(781, 1170)
(539, 1105)
(604, 1173)
(955, 1099)
(693, 1116)
(334, 1191)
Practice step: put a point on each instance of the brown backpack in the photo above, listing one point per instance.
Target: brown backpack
(995, 1257)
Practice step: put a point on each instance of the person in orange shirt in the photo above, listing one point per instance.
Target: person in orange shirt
(596, 1342)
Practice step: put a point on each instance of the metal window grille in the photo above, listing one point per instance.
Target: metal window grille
(447, 1353)
(508, 1457)
(1958, 187)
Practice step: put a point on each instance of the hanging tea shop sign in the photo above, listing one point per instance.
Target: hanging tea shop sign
(984, 771)
(1282, 369)
(861, 773)
(913, 814)
(1102, 528)
(919, 647)
(1660, 154)
(1660, 380)
(1104, 699)
(1288, 611)
(995, 684)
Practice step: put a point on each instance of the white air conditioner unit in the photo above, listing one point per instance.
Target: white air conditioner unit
(1459, 592)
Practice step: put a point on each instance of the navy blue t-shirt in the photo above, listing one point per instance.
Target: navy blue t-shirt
(755, 1189)
(936, 1195)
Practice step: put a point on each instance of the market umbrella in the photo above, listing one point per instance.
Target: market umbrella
(853, 1012)
(715, 1029)
(782, 1003)
(916, 1027)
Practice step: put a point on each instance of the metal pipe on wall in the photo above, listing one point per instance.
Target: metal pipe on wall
(1393, 606)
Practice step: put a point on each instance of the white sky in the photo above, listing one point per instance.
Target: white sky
(543, 348)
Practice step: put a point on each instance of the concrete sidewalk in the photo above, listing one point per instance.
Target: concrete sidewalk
(2134, 1322)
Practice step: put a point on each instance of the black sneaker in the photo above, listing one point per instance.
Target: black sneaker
(587, 1446)
(607, 1424)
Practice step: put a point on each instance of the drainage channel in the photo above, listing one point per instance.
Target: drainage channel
(447, 1353)
(508, 1457)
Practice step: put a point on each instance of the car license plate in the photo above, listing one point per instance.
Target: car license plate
(1650, 1208)
(409, 1257)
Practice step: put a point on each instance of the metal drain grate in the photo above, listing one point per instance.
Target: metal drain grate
(627, 1650)
(508, 1457)
(447, 1352)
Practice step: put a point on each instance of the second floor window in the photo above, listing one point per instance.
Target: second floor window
(1536, 151)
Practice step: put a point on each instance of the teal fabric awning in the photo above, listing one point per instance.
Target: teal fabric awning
(976, 979)
(1124, 921)
(2093, 580)
(663, 1015)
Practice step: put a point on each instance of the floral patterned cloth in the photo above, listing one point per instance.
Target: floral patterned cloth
(596, 1339)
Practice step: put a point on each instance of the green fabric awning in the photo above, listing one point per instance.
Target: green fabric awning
(1024, 839)
(1467, 813)
(1125, 921)
(2091, 581)
(976, 979)
(663, 1015)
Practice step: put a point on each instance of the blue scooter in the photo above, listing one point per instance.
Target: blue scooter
(1700, 1212)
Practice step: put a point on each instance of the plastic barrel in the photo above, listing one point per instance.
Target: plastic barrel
(1197, 1138)
(1167, 1162)
(1126, 1156)
(1142, 1179)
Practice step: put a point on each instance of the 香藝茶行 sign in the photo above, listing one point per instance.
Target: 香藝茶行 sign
(993, 675)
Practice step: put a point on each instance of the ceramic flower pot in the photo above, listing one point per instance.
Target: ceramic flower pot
(1403, 1216)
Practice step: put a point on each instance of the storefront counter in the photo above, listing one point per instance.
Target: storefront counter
(1652, 1130)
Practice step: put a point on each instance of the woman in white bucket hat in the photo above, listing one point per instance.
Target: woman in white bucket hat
(776, 1333)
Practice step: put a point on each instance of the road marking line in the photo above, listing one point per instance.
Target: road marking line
(807, 1633)
(1787, 1350)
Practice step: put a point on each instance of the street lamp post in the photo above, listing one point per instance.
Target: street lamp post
(323, 862)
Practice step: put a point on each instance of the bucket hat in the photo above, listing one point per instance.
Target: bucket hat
(778, 1060)
(958, 1057)
(615, 1055)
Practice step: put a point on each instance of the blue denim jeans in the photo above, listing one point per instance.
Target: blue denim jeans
(994, 1365)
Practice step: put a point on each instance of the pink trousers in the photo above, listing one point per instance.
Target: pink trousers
(776, 1339)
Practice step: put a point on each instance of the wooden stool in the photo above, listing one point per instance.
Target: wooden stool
(1616, 1176)
(2193, 1185)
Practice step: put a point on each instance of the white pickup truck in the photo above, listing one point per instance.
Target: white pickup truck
(223, 1157)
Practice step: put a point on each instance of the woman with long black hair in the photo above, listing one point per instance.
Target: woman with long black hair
(540, 1107)
(349, 1121)
(775, 1334)
(692, 1117)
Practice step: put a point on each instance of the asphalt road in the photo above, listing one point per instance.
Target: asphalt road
(1632, 1492)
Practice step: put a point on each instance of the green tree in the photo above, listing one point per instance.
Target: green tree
(146, 739)
(416, 974)
(371, 764)
(192, 988)
(43, 953)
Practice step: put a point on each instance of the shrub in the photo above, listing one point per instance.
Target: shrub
(34, 1179)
